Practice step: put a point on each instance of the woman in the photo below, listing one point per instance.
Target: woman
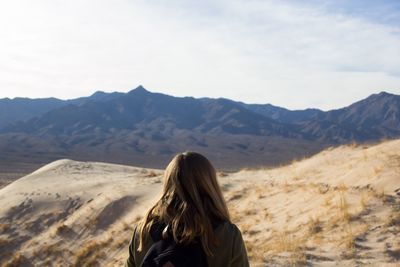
(191, 214)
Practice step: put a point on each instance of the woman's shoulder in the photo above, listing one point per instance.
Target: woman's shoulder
(228, 226)
(230, 250)
(227, 229)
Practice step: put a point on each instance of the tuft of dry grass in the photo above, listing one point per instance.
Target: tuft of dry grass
(342, 215)
(137, 218)
(287, 188)
(285, 242)
(151, 174)
(222, 174)
(344, 208)
(349, 242)
(235, 196)
(4, 227)
(328, 200)
(48, 250)
(254, 252)
(377, 170)
(351, 235)
(394, 219)
(126, 226)
(353, 145)
(323, 188)
(364, 199)
(380, 194)
(260, 192)
(4, 243)
(89, 254)
(296, 177)
(314, 225)
(17, 260)
(250, 212)
(342, 188)
(268, 215)
(122, 243)
(62, 229)
(393, 250)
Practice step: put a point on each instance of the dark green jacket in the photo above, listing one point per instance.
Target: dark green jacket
(231, 251)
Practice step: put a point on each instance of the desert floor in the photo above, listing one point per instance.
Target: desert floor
(340, 207)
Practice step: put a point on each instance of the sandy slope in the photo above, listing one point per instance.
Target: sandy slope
(338, 208)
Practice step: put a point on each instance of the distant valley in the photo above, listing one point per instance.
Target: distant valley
(143, 128)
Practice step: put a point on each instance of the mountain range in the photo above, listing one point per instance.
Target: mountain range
(146, 129)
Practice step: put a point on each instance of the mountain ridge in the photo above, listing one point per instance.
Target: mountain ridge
(145, 128)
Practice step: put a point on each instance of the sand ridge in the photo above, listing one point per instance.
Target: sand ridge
(340, 207)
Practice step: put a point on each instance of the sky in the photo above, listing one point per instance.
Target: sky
(290, 53)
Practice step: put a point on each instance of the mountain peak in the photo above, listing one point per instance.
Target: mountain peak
(139, 89)
(374, 98)
(383, 93)
(98, 96)
(98, 93)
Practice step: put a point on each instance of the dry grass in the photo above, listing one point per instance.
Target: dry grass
(353, 145)
(340, 214)
(261, 192)
(250, 212)
(283, 243)
(17, 260)
(222, 174)
(254, 252)
(128, 227)
(344, 208)
(48, 251)
(151, 174)
(342, 188)
(314, 225)
(296, 177)
(286, 242)
(62, 229)
(364, 199)
(137, 218)
(394, 219)
(235, 196)
(287, 188)
(328, 200)
(323, 188)
(393, 250)
(4, 227)
(4, 242)
(89, 254)
(380, 194)
(122, 243)
(267, 215)
(349, 241)
(377, 170)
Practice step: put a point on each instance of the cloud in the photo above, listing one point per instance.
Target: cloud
(282, 52)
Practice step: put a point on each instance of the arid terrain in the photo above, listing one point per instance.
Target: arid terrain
(340, 207)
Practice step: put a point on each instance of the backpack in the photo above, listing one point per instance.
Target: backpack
(167, 253)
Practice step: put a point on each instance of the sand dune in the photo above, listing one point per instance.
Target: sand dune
(338, 208)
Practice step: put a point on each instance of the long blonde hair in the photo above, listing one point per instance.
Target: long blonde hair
(191, 202)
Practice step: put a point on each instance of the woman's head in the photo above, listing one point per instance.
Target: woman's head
(191, 201)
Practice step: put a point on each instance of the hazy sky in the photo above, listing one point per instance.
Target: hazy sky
(297, 54)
